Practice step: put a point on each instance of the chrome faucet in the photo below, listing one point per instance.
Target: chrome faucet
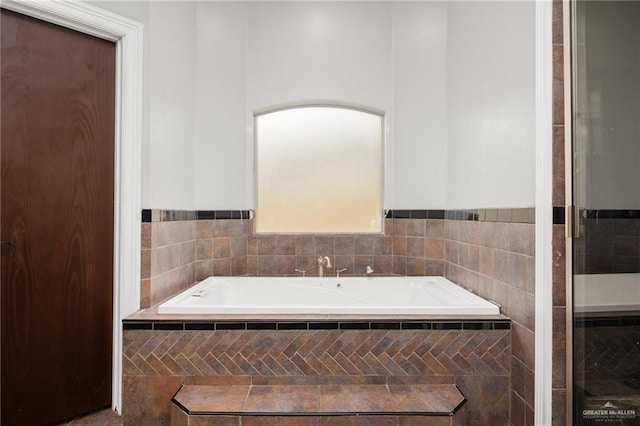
(322, 262)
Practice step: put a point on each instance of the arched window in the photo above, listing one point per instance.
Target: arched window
(319, 169)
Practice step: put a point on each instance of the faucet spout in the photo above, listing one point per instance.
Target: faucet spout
(322, 262)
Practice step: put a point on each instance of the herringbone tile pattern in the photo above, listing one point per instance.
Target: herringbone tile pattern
(607, 357)
(316, 352)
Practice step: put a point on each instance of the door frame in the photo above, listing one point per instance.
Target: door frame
(127, 35)
(544, 214)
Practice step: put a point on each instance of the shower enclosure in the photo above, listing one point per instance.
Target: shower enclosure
(606, 196)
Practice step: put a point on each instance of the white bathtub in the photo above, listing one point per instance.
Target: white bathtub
(329, 295)
(606, 292)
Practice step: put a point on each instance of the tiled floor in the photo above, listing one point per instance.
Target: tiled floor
(106, 417)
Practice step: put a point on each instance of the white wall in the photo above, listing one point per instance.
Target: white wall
(223, 143)
(419, 105)
(257, 56)
(490, 68)
(172, 45)
(454, 79)
(304, 51)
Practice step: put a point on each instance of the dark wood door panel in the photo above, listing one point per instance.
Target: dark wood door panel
(56, 195)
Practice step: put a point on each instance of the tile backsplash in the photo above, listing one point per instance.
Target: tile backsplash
(180, 248)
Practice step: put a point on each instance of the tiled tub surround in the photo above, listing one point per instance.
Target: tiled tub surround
(489, 251)
(223, 243)
(161, 355)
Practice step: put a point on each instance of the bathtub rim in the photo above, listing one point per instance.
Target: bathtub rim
(152, 314)
(481, 305)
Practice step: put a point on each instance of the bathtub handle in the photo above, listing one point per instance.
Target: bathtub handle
(301, 271)
(338, 271)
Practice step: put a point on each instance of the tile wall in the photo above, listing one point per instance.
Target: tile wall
(167, 259)
(177, 253)
(282, 254)
(221, 247)
(495, 259)
(559, 281)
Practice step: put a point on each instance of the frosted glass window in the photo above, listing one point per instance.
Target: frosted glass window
(319, 170)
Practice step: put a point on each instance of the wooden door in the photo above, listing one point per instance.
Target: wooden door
(56, 216)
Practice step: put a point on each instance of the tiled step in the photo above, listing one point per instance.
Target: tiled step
(424, 405)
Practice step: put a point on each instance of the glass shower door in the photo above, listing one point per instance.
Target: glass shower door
(606, 191)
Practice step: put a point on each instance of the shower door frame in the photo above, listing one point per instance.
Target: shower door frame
(127, 35)
(574, 160)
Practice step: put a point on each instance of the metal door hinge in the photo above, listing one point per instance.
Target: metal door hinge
(572, 215)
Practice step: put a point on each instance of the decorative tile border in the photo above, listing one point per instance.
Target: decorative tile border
(316, 325)
(224, 214)
(609, 321)
(415, 214)
(611, 214)
(516, 215)
(178, 215)
(559, 216)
